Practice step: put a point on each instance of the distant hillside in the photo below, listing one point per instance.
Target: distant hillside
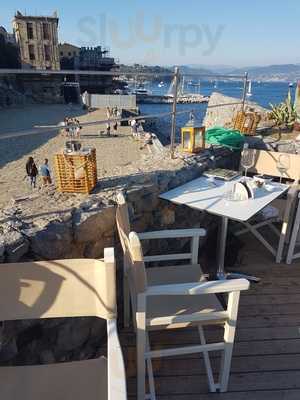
(285, 72)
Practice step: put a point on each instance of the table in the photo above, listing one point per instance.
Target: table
(204, 195)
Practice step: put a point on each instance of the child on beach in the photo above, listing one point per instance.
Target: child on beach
(45, 173)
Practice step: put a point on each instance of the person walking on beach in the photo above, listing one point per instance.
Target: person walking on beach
(133, 128)
(45, 173)
(31, 171)
(107, 129)
(115, 128)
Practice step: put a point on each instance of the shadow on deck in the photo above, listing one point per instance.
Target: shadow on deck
(266, 360)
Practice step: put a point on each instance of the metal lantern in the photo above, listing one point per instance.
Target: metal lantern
(192, 136)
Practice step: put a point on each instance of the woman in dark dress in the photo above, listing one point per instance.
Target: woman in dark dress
(31, 171)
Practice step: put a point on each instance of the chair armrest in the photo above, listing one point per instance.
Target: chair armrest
(169, 234)
(235, 285)
(116, 370)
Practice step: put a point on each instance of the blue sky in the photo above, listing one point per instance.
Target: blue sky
(177, 32)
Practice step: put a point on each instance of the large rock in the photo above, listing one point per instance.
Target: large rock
(52, 242)
(92, 224)
(222, 116)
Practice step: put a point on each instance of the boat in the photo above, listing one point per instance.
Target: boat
(141, 92)
(161, 84)
(249, 93)
(291, 85)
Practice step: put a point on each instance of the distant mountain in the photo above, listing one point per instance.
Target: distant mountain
(284, 72)
(219, 68)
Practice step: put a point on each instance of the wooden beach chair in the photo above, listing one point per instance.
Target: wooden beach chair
(56, 289)
(282, 210)
(179, 305)
(191, 270)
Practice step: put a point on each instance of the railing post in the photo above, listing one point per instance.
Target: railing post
(173, 130)
(245, 91)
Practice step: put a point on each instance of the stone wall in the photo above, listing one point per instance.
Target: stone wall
(84, 232)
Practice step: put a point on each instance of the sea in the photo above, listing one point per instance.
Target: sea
(263, 93)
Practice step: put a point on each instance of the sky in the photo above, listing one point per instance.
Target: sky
(165, 32)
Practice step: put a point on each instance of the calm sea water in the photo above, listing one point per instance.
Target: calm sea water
(264, 93)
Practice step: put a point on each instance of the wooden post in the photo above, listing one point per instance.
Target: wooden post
(245, 91)
(173, 130)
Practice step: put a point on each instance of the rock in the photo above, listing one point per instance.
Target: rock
(73, 334)
(16, 246)
(2, 250)
(90, 225)
(222, 116)
(53, 241)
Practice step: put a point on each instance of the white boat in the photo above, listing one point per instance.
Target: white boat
(249, 93)
(141, 92)
(161, 84)
(291, 85)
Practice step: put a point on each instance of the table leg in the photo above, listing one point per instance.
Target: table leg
(221, 274)
(222, 248)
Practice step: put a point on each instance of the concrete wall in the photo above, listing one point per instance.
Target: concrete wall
(113, 100)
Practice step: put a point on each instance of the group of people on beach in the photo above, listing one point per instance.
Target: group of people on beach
(32, 171)
(71, 128)
(113, 114)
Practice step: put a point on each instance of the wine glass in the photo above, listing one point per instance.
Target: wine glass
(247, 160)
(283, 164)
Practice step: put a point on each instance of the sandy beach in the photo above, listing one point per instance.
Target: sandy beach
(116, 156)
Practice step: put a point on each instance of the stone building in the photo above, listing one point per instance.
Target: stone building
(37, 38)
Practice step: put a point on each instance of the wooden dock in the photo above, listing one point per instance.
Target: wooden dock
(266, 361)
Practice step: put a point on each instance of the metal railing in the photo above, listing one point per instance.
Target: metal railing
(176, 77)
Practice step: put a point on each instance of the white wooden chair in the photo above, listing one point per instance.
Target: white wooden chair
(55, 289)
(294, 242)
(191, 271)
(281, 210)
(163, 306)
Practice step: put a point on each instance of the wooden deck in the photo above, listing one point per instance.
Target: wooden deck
(266, 361)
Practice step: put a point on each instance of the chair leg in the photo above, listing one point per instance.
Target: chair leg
(141, 346)
(150, 371)
(229, 335)
(281, 242)
(225, 367)
(126, 302)
(295, 232)
(210, 376)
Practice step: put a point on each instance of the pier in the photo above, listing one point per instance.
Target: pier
(166, 99)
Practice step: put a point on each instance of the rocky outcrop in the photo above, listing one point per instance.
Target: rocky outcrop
(222, 116)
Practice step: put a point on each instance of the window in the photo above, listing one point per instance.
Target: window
(69, 54)
(31, 51)
(29, 30)
(46, 31)
(61, 53)
(47, 53)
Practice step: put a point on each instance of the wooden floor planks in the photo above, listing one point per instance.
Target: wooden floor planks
(266, 361)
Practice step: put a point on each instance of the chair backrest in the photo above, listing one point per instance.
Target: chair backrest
(62, 288)
(123, 222)
(265, 163)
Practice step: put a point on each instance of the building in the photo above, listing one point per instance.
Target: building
(7, 37)
(37, 38)
(67, 50)
(94, 59)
